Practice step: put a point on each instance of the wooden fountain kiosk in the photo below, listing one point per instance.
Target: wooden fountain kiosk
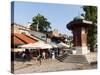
(79, 27)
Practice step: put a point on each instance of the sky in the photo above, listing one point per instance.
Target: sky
(59, 15)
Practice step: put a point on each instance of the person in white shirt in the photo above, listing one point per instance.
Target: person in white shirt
(44, 57)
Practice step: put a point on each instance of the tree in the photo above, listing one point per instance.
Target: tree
(40, 23)
(91, 14)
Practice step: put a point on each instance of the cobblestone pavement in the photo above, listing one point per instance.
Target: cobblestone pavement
(47, 65)
(92, 57)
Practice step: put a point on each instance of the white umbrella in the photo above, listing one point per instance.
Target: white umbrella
(36, 45)
(46, 46)
(42, 45)
(62, 45)
(53, 45)
(17, 50)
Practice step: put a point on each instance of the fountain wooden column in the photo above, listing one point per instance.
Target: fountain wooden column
(79, 28)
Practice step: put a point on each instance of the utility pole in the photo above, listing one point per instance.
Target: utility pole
(37, 27)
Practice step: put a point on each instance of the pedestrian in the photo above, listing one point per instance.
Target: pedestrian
(28, 54)
(39, 59)
(44, 55)
(23, 56)
(53, 55)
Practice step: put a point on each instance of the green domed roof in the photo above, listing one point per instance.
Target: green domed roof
(78, 18)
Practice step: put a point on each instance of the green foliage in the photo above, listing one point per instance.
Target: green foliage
(91, 14)
(43, 24)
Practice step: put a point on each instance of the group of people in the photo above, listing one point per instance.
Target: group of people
(30, 54)
(26, 55)
(40, 54)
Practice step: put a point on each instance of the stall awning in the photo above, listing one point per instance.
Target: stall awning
(19, 39)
